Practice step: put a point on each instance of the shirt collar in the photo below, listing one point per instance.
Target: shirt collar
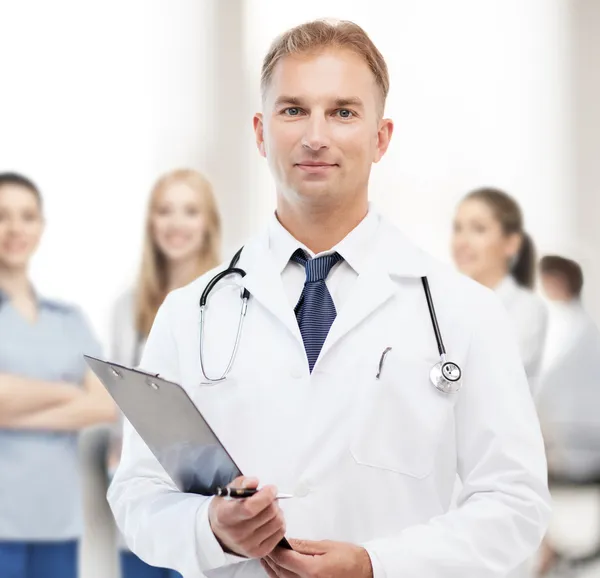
(353, 248)
(506, 287)
(42, 302)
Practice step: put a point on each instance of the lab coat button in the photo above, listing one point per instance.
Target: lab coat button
(301, 490)
(296, 373)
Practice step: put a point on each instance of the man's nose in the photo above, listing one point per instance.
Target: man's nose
(316, 135)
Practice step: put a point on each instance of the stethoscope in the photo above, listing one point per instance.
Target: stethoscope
(244, 294)
(444, 375)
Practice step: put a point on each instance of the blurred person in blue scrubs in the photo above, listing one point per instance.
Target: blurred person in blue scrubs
(491, 246)
(570, 387)
(47, 395)
(181, 242)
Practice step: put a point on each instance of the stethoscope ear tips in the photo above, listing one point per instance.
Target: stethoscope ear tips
(446, 377)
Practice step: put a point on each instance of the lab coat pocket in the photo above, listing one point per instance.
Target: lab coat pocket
(402, 419)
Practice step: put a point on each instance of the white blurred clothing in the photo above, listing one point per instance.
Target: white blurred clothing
(125, 349)
(125, 344)
(529, 316)
(567, 322)
(570, 392)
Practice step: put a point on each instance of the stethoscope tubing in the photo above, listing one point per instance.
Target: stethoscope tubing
(245, 295)
(434, 321)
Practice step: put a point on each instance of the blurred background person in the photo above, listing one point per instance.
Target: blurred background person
(47, 395)
(570, 393)
(570, 390)
(491, 246)
(182, 242)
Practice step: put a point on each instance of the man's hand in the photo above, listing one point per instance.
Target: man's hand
(250, 527)
(318, 559)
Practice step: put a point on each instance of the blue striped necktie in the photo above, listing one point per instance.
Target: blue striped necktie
(315, 310)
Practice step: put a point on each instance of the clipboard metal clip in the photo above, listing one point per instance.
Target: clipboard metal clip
(116, 372)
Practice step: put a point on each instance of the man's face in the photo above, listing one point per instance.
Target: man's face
(321, 129)
(555, 287)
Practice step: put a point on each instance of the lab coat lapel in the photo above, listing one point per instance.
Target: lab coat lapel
(392, 255)
(372, 289)
(264, 283)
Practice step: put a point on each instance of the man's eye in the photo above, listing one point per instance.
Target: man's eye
(292, 111)
(345, 113)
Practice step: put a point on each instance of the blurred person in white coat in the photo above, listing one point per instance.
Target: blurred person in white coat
(316, 403)
(491, 246)
(570, 394)
(181, 242)
(570, 384)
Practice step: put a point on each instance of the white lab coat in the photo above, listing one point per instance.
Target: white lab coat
(570, 393)
(375, 460)
(529, 317)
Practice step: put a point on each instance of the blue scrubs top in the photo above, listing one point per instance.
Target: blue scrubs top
(40, 497)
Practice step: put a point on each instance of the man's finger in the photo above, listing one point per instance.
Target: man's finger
(267, 568)
(241, 510)
(269, 544)
(239, 518)
(269, 534)
(242, 482)
(277, 571)
(289, 560)
(311, 547)
(259, 501)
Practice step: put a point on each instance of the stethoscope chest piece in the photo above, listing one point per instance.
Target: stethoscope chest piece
(446, 377)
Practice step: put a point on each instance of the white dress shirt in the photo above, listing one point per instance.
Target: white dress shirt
(353, 248)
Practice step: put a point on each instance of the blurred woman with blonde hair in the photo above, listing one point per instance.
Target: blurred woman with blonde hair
(181, 242)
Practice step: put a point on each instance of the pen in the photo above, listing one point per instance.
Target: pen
(381, 360)
(244, 493)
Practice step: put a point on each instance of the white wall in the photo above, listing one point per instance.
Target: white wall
(97, 100)
(75, 117)
(584, 143)
(197, 92)
(478, 94)
(103, 101)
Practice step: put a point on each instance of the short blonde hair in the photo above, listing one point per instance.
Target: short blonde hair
(323, 34)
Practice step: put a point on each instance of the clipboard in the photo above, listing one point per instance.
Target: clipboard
(172, 427)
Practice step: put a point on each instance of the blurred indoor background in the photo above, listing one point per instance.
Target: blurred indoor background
(99, 98)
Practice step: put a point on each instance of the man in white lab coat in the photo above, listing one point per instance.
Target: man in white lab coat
(570, 394)
(570, 387)
(330, 397)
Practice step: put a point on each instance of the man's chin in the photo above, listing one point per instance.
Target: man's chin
(314, 188)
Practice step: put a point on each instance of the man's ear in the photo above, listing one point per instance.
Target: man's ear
(259, 134)
(384, 135)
